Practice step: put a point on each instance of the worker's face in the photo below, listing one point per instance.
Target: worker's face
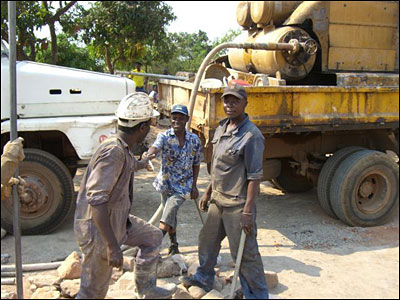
(233, 106)
(138, 66)
(179, 121)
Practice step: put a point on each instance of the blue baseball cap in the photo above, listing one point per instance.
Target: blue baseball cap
(179, 108)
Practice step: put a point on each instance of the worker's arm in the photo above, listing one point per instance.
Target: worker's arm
(247, 219)
(253, 159)
(102, 222)
(107, 169)
(195, 192)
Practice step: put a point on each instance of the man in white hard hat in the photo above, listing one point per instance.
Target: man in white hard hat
(102, 220)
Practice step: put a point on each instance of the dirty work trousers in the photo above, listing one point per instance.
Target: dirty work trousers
(96, 272)
(171, 206)
(222, 222)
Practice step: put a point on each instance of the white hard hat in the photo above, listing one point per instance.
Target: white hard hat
(134, 109)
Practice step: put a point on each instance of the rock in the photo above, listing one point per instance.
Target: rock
(180, 260)
(3, 234)
(120, 295)
(70, 288)
(47, 292)
(131, 251)
(213, 294)
(116, 274)
(191, 259)
(126, 282)
(272, 279)
(42, 280)
(8, 295)
(196, 292)
(181, 293)
(192, 269)
(70, 267)
(168, 268)
(129, 262)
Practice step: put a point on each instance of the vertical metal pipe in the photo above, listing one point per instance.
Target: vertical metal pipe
(13, 136)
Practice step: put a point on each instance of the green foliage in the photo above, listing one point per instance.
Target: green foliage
(119, 30)
(111, 35)
(71, 55)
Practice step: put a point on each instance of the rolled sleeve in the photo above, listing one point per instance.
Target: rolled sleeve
(160, 141)
(253, 158)
(104, 175)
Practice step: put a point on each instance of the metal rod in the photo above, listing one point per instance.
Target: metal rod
(210, 55)
(13, 136)
(152, 75)
(32, 267)
(238, 263)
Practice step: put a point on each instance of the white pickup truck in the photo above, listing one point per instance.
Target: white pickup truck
(63, 115)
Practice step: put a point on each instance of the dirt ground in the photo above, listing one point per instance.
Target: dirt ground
(314, 255)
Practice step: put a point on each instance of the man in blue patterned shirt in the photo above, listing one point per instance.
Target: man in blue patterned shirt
(181, 153)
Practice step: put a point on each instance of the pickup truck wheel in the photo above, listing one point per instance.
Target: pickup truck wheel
(291, 182)
(49, 194)
(326, 176)
(365, 191)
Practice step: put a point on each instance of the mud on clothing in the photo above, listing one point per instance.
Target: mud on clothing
(109, 179)
(237, 159)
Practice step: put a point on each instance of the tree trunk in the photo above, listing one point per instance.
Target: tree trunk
(53, 43)
(108, 61)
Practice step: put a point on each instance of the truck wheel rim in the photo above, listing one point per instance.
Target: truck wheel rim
(372, 193)
(37, 198)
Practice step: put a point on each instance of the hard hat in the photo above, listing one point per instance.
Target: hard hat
(134, 109)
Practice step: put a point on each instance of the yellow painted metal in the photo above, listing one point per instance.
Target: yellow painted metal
(378, 13)
(291, 109)
(357, 36)
(269, 62)
(361, 59)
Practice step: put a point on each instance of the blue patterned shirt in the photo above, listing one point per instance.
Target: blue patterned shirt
(176, 173)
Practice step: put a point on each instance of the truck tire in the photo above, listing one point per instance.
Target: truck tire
(49, 197)
(291, 182)
(365, 191)
(326, 176)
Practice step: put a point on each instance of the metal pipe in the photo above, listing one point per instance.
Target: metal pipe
(210, 55)
(13, 136)
(32, 267)
(161, 76)
(238, 263)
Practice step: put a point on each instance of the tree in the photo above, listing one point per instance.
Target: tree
(71, 55)
(32, 16)
(51, 18)
(120, 30)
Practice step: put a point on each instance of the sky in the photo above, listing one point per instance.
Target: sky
(215, 18)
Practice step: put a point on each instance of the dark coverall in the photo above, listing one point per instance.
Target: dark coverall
(237, 159)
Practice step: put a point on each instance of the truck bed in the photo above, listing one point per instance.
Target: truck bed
(292, 109)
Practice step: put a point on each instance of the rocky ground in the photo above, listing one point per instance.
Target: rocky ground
(312, 255)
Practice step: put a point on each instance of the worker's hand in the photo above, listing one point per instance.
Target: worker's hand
(246, 223)
(114, 256)
(147, 156)
(203, 203)
(195, 193)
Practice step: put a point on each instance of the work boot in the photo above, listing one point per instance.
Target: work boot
(173, 249)
(145, 279)
(189, 281)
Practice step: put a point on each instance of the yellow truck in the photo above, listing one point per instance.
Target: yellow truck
(326, 100)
